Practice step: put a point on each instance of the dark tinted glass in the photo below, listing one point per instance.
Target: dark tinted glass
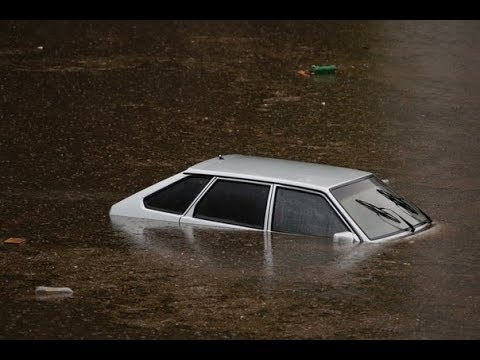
(234, 202)
(177, 197)
(305, 213)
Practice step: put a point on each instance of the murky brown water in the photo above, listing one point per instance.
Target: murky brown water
(107, 108)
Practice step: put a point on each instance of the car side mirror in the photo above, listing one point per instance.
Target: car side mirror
(386, 181)
(345, 237)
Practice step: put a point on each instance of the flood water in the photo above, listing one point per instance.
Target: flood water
(105, 109)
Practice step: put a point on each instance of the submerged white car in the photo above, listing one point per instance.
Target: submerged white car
(248, 192)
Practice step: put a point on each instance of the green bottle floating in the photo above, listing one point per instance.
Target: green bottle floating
(326, 69)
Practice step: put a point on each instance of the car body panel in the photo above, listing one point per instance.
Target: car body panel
(288, 172)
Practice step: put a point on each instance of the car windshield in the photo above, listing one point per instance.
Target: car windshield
(377, 210)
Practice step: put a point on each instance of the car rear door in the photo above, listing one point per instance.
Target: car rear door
(232, 203)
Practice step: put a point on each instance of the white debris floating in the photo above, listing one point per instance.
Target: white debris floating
(46, 290)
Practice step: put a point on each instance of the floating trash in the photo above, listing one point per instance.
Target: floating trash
(15, 241)
(303, 73)
(46, 292)
(327, 70)
(324, 69)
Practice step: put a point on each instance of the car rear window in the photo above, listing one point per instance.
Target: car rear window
(234, 202)
(304, 213)
(176, 198)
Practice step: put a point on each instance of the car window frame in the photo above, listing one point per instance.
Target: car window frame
(306, 190)
(164, 211)
(270, 202)
(190, 211)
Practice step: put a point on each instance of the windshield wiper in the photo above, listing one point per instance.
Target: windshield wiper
(377, 210)
(398, 201)
(402, 203)
(382, 212)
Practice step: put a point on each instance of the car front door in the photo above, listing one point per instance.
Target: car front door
(304, 212)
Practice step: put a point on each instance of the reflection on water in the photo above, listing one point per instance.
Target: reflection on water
(259, 251)
(104, 109)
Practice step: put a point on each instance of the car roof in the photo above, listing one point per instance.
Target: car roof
(296, 173)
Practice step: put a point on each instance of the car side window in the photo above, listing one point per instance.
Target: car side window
(234, 202)
(176, 198)
(300, 212)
